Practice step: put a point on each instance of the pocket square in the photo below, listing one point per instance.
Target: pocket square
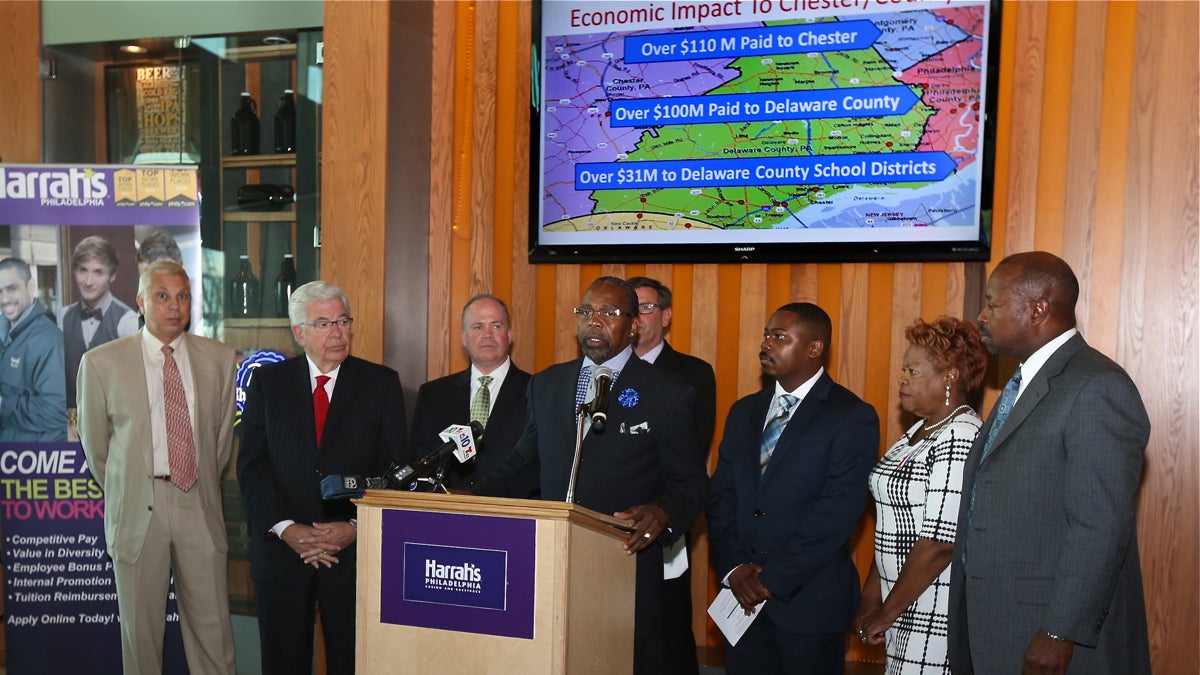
(642, 428)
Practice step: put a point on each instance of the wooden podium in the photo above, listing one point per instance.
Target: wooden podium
(465, 584)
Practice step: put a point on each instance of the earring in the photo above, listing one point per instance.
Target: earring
(947, 393)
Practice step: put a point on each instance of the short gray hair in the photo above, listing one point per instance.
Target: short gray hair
(166, 267)
(313, 291)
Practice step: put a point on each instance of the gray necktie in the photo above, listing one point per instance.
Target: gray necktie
(773, 430)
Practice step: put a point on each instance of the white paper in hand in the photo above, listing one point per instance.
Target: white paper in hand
(730, 617)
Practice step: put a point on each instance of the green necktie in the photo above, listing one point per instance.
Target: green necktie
(481, 405)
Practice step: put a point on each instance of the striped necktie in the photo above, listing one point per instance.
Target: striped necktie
(773, 430)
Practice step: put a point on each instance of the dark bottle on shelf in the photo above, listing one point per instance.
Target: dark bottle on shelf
(285, 123)
(243, 292)
(285, 283)
(245, 127)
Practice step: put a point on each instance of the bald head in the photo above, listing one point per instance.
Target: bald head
(1030, 301)
(1045, 276)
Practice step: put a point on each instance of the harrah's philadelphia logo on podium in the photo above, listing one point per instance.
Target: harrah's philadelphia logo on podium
(457, 576)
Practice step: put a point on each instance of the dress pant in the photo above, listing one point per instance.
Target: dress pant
(766, 650)
(178, 538)
(286, 614)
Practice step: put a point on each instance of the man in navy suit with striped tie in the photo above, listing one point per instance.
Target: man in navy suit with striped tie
(790, 486)
(325, 413)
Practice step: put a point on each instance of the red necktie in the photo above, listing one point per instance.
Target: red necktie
(320, 404)
(181, 447)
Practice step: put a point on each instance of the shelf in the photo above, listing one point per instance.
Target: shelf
(258, 322)
(258, 216)
(256, 52)
(257, 161)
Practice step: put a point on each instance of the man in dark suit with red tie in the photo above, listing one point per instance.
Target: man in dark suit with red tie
(326, 413)
(491, 391)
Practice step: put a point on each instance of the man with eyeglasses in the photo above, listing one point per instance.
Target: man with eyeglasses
(654, 320)
(490, 391)
(643, 468)
(325, 413)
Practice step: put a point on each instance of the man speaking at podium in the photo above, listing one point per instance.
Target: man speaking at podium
(642, 468)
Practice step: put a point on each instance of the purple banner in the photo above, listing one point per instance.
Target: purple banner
(60, 600)
(466, 573)
(49, 194)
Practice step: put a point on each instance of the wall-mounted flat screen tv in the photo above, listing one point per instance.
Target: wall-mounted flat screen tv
(764, 130)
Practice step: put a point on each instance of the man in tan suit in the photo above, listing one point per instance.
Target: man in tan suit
(156, 422)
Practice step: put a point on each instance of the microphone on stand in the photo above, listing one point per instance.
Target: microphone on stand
(460, 443)
(602, 377)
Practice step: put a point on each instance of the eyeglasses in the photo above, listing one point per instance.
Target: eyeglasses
(323, 325)
(647, 307)
(607, 313)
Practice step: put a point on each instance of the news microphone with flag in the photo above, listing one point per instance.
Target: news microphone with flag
(602, 377)
(460, 443)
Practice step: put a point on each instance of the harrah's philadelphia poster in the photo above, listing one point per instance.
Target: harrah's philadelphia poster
(60, 601)
(458, 572)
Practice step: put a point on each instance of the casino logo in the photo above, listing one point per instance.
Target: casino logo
(245, 371)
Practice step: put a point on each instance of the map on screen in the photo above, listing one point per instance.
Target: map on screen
(767, 121)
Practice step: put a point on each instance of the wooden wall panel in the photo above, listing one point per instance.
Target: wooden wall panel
(1096, 162)
(354, 165)
(20, 56)
(20, 125)
(1157, 338)
(441, 192)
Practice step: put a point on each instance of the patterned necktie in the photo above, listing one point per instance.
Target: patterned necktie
(581, 387)
(181, 447)
(1007, 399)
(773, 430)
(320, 405)
(481, 406)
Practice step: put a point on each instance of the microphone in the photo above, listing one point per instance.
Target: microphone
(460, 443)
(603, 376)
(335, 486)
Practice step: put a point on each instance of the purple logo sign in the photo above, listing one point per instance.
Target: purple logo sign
(458, 572)
(448, 575)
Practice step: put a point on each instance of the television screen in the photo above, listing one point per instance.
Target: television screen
(764, 130)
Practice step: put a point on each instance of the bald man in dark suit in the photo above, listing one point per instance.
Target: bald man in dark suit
(1045, 576)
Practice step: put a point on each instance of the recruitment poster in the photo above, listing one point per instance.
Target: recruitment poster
(72, 241)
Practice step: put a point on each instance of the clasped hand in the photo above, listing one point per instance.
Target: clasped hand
(746, 587)
(320, 543)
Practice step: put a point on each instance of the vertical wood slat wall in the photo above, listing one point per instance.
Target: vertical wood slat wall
(1096, 162)
(20, 124)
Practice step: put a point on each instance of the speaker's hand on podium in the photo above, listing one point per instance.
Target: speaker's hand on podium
(648, 522)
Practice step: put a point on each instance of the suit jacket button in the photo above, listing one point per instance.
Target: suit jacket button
(758, 513)
(150, 508)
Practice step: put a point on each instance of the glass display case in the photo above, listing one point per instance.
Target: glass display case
(245, 109)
